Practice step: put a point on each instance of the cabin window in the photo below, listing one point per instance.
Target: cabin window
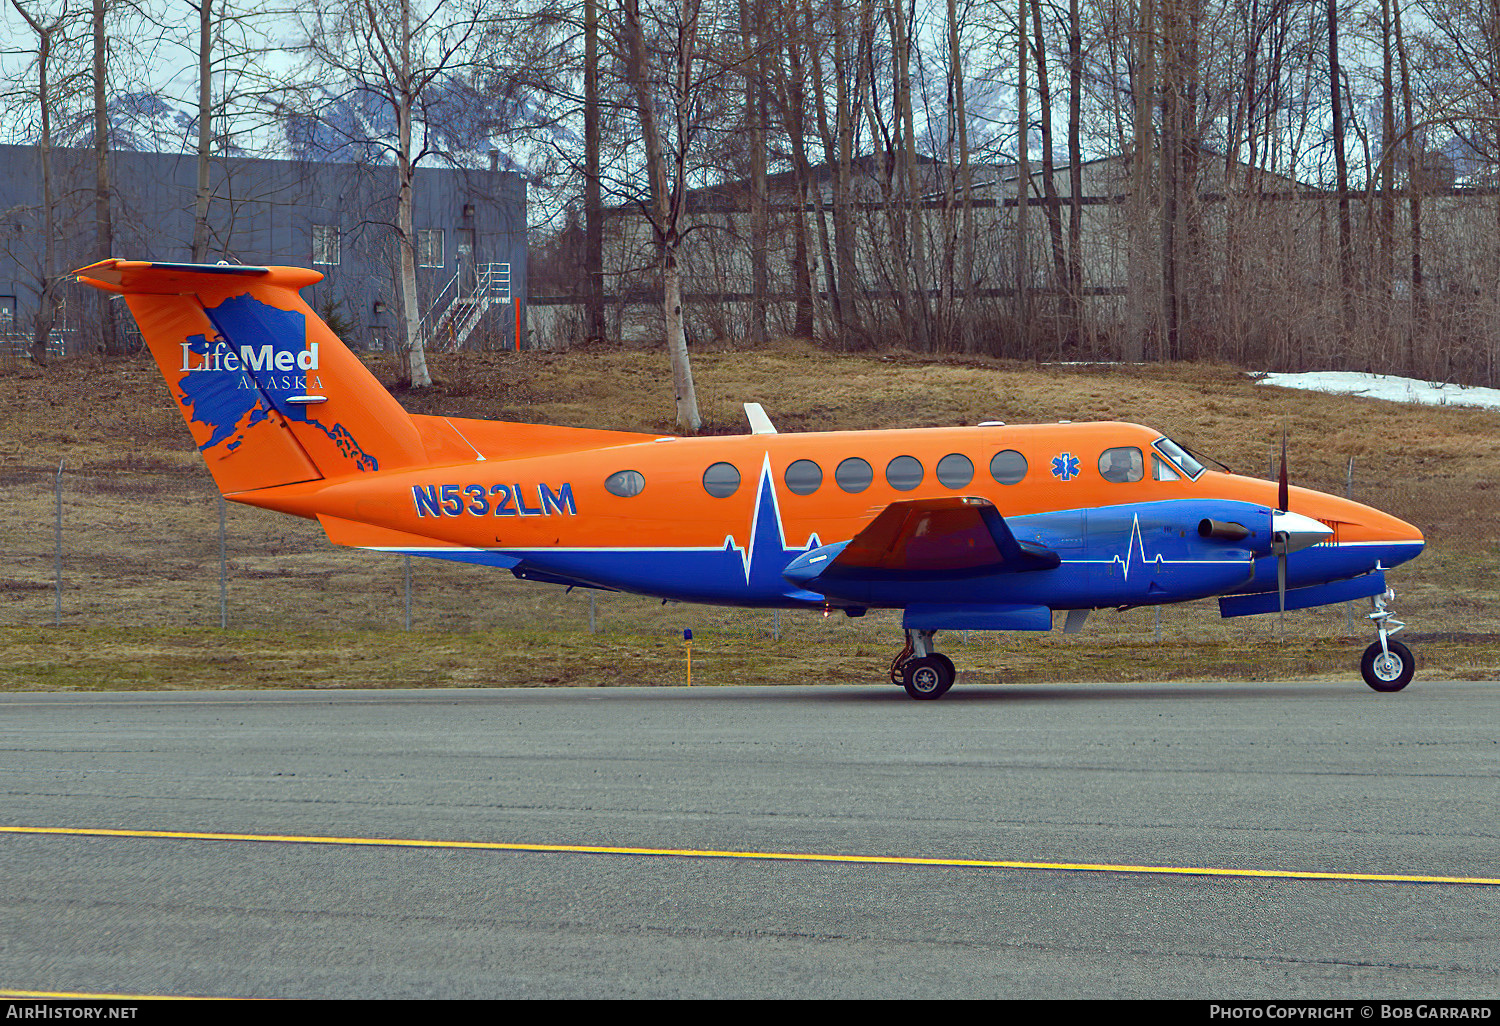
(1008, 467)
(625, 483)
(854, 475)
(1122, 465)
(904, 473)
(955, 470)
(1162, 470)
(803, 477)
(721, 480)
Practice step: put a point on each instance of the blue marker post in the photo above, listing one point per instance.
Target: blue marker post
(687, 639)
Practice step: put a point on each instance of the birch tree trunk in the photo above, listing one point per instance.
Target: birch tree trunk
(205, 129)
(1418, 298)
(1052, 210)
(665, 209)
(965, 270)
(1387, 161)
(1023, 189)
(416, 345)
(752, 30)
(1143, 89)
(104, 230)
(593, 214)
(1075, 167)
(912, 184)
(1341, 164)
(51, 298)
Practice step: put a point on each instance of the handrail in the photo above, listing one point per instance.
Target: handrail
(426, 321)
(462, 314)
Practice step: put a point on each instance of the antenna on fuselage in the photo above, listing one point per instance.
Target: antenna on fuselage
(760, 424)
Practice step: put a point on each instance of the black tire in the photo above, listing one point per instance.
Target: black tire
(1391, 674)
(928, 678)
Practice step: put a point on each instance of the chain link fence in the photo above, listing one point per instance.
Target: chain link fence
(143, 547)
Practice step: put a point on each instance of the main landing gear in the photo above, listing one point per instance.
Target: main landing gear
(924, 673)
(1387, 665)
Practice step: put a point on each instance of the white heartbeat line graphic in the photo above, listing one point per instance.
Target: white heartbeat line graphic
(764, 486)
(1138, 544)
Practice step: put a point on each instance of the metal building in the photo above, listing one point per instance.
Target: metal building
(335, 217)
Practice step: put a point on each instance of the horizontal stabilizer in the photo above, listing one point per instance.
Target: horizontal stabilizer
(1304, 598)
(145, 277)
(367, 536)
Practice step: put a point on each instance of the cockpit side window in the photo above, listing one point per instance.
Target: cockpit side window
(1162, 470)
(1122, 465)
(1180, 456)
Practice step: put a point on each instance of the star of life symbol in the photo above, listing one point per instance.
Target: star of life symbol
(1065, 466)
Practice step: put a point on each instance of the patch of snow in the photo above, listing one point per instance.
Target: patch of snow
(1390, 387)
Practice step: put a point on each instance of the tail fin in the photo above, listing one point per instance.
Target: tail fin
(270, 394)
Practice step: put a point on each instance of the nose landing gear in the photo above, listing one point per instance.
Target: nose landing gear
(924, 673)
(1387, 665)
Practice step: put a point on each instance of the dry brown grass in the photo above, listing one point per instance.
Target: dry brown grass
(140, 569)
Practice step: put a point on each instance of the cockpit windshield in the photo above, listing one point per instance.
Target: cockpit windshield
(1178, 455)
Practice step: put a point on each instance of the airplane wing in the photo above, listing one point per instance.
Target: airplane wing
(925, 539)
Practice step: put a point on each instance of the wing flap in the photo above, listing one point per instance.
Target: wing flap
(925, 539)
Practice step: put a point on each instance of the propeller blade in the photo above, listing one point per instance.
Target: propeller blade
(1281, 584)
(1283, 496)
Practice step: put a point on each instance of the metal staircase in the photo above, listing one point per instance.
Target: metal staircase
(458, 309)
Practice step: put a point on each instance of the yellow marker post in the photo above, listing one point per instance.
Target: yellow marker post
(687, 639)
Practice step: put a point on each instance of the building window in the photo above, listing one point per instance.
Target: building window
(7, 314)
(325, 243)
(430, 247)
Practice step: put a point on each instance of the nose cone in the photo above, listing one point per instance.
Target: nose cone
(1403, 540)
(1389, 539)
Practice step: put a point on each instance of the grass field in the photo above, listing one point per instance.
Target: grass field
(140, 537)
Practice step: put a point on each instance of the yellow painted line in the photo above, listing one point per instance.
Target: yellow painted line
(771, 856)
(65, 995)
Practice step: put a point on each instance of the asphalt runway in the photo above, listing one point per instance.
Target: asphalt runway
(1326, 778)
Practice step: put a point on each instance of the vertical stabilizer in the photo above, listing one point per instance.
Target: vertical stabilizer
(270, 394)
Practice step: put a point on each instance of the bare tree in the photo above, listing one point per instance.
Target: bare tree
(1341, 163)
(401, 54)
(104, 230)
(592, 203)
(49, 29)
(681, 65)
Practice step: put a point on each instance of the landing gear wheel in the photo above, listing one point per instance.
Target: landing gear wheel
(928, 677)
(1385, 672)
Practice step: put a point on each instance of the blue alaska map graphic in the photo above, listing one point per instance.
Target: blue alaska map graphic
(231, 401)
(220, 399)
